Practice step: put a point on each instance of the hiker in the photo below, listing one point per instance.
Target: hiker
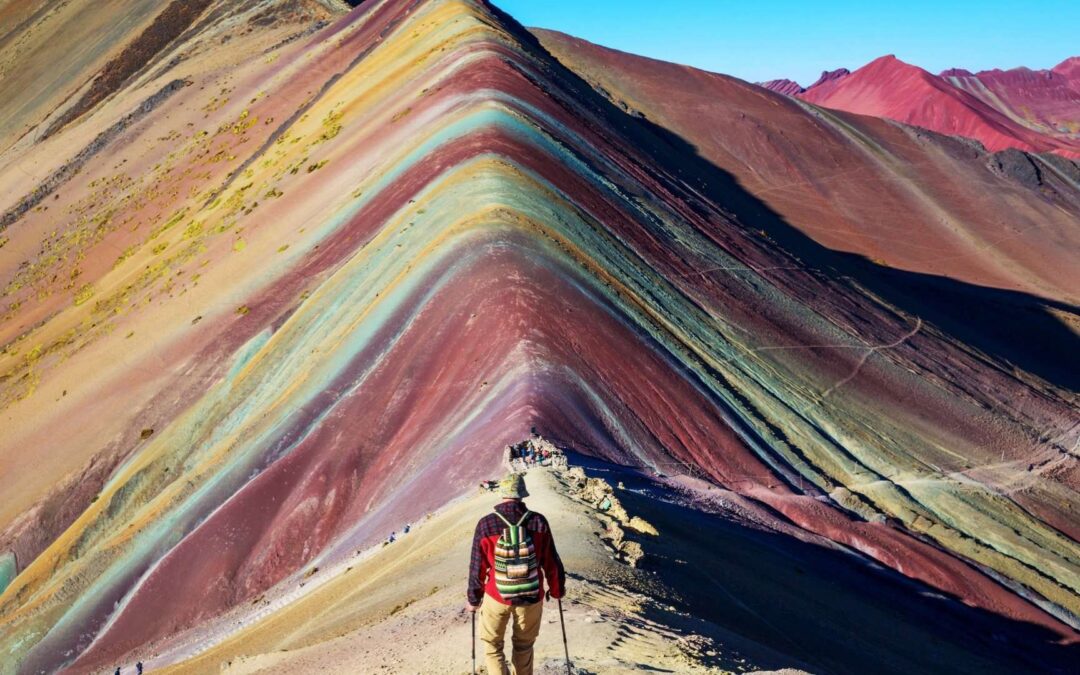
(405, 530)
(513, 554)
(138, 668)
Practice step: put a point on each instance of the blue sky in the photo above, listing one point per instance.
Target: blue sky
(766, 39)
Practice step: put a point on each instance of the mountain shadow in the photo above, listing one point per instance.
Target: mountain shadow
(835, 612)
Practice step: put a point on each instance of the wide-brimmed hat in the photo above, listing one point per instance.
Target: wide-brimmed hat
(513, 487)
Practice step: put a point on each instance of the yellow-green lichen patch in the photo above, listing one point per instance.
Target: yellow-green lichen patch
(331, 125)
(85, 292)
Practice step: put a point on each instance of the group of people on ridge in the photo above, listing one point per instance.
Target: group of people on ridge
(532, 452)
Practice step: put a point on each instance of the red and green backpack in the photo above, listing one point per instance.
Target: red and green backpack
(516, 572)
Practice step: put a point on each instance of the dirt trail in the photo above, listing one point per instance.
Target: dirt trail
(401, 610)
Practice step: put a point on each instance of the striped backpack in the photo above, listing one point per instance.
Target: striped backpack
(516, 573)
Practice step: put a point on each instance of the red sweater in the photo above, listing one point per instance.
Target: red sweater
(482, 560)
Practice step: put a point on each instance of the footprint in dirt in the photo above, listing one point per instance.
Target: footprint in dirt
(558, 667)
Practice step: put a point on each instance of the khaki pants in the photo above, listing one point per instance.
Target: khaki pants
(493, 619)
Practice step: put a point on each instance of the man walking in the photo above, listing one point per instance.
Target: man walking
(513, 554)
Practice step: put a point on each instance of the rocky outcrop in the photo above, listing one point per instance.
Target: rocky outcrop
(786, 87)
(829, 77)
(598, 493)
(1017, 165)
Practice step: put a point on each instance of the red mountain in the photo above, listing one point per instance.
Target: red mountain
(1045, 101)
(1070, 68)
(1023, 109)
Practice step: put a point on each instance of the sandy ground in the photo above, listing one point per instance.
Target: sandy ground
(401, 610)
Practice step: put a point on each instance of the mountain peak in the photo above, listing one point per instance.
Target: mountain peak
(956, 72)
(889, 63)
(1070, 67)
(830, 76)
(783, 86)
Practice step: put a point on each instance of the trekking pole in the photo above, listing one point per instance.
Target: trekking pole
(473, 642)
(566, 649)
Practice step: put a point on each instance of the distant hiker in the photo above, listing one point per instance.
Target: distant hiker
(117, 671)
(138, 668)
(513, 554)
(405, 530)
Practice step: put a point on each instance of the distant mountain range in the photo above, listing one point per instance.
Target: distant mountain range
(1031, 110)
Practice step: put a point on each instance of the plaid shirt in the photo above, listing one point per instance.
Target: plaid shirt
(482, 559)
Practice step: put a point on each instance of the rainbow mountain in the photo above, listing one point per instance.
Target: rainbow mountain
(281, 276)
